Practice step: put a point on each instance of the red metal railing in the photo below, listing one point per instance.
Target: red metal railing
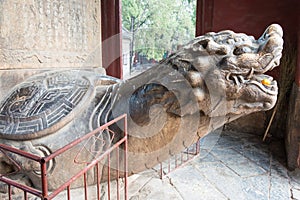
(179, 160)
(45, 194)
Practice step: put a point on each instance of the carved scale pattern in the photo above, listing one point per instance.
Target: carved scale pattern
(39, 104)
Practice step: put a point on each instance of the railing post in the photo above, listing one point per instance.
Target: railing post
(126, 159)
(44, 178)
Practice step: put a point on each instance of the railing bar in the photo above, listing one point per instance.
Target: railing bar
(93, 163)
(85, 187)
(126, 158)
(118, 174)
(43, 161)
(98, 181)
(9, 192)
(181, 158)
(20, 152)
(69, 192)
(108, 176)
(61, 150)
(13, 162)
(25, 195)
(198, 147)
(77, 141)
(161, 170)
(20, 186)
(44, 179)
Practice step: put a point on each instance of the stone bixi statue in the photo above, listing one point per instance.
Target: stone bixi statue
(212, 80)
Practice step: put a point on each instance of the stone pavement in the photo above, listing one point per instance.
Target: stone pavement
(231, 165)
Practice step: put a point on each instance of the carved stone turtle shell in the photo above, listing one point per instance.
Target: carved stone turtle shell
(45, 103)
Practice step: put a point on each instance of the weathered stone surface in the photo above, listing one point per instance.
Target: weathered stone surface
(214, 79)
(246, 125)
(10, 78)
(58, 94)
(61, 99)
(49, 34)
(37, 36)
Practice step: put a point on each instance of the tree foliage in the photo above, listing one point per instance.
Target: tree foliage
(137, 10)
(159, 26)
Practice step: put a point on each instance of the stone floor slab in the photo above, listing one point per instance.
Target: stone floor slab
(157, 189)
(246, 169)
(295, 194)
(193, 185)
(256, 187)
(224, 179)
(280, 188)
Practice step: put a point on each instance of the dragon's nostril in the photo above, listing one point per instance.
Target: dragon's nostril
(203, 43)
(223, 62)
(241, 49)
(237, 51)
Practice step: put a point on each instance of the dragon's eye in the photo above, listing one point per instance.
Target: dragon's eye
(241, 49)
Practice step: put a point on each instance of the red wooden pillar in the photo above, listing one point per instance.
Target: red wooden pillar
(112, 37)
(292, 139)
(297, 78)
(204, 16)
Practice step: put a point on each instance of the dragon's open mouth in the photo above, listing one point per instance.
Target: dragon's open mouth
(264, 82)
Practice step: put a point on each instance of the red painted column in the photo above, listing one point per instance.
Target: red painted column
(297, 78)
(112, 37)
(204, 16)
(199, 17)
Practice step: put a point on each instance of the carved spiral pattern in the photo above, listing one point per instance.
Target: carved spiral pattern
(37, 105)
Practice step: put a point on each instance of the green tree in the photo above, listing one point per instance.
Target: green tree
(137, 10)
(159, 26)
(135, 13)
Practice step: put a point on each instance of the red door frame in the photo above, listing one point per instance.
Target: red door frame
(204, 16)
(251, 16)
(298, 61)
(111, 31)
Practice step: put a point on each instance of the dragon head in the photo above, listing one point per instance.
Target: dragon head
(227, 73)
